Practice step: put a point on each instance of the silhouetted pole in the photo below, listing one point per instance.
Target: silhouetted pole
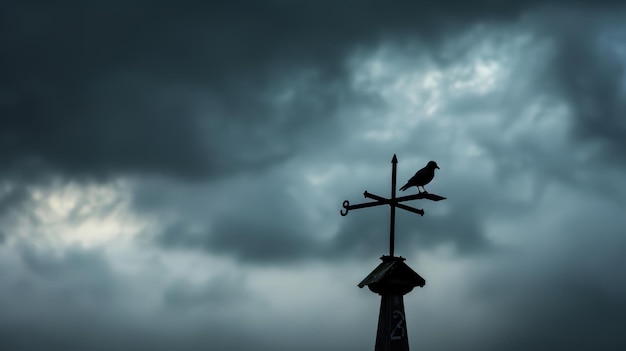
(392, 225)
(393, 278)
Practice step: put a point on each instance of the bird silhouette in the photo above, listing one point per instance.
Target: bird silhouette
(422, 177)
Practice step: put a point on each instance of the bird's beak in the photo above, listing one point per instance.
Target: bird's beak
(437, 167)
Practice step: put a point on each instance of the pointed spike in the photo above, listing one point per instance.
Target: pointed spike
(394, 159)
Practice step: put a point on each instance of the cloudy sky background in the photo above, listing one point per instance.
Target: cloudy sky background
(171, 174)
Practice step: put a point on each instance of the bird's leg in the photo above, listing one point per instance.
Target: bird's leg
(418, 190)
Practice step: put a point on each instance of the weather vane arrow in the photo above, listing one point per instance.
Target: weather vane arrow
(421, 178)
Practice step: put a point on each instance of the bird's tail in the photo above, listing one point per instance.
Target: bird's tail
(405, 186)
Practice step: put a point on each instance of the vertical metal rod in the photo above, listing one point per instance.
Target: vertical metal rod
(392, 204)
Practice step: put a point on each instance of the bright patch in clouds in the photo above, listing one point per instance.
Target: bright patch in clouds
(420, 91)
(87, 215)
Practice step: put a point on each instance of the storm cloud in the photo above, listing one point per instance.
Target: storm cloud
(172, 173)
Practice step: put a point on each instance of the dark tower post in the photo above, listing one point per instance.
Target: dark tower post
(393, 278)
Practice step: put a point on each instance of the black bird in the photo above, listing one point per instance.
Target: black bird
(422, 177)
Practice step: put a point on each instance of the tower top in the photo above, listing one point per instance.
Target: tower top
(392, 276)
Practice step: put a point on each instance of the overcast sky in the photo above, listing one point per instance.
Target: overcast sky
(171, 173)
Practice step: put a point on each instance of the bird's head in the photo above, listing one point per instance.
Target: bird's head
(432, 165)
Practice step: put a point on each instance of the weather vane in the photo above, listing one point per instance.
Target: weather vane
(393, 278)
(421, 178)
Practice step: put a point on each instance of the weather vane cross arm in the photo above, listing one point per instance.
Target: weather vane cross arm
(397, 203)
(347, 207)
(394, 201)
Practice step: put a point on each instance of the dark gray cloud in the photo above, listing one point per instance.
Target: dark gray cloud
(567, 295)
(74, 299)
(248, 241)
(589, 71)
(88, 98)
(240, 128)
(11, 196)
(51, 295)
(94, 90)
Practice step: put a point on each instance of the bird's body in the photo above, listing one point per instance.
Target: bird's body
(422, 177)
